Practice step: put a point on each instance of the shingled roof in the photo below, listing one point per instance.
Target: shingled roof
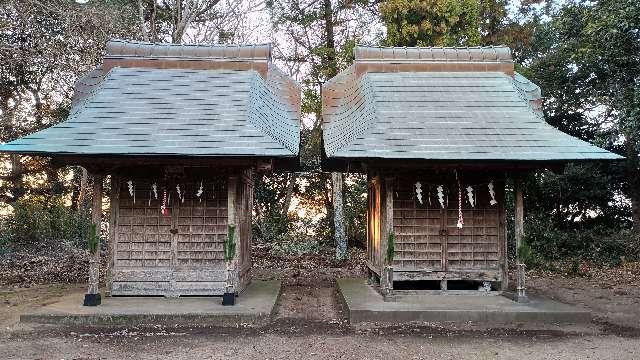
(180, 100)
(441, 104)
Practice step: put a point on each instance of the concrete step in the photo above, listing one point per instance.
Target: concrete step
(364, 304)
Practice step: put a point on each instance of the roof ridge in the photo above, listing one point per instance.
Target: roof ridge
(499, 53)
(133, 48)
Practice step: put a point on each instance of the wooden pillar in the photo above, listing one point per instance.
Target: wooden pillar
(114, 206)
(519, 234)
(503, 234)
(387, 247)
(228, 298)
(92, 297)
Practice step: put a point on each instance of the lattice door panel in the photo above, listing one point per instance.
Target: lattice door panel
(143, 237)
(476, 246)
(419, 241)
(202, 226)
(180, 253)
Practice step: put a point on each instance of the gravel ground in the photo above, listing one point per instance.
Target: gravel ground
(322, 345)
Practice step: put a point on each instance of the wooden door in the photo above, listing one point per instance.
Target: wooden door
(475, 246)
(201, 233)
(170, 255)
(427, 236)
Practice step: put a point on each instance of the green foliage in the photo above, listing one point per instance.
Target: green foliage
(530, 257)
(391, 248)
(544, 241)
(40, 221)
(355, 209)
(431, 22)
(581, 197)
(585, 60)
(230, 244)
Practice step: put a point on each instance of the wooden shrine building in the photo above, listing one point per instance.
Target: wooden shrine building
(181, 130)
(438, 131)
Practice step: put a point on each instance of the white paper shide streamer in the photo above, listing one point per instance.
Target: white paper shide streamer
(472, 200)
(492, 193)
(440, 195)
(200, 191)
(132, 190)
(180, 193)
(419, 191)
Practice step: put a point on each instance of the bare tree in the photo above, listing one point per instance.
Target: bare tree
(219, 21)
(44, 47)
(314, 41)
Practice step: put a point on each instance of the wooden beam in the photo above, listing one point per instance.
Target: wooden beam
(174, 205)
(232, 222)
(114, 206)
(499, 188)
(388, 219)
(519, 212)
(92, 298)
(519, 234)
(386, 280)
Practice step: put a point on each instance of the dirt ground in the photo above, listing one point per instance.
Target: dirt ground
(310, 324)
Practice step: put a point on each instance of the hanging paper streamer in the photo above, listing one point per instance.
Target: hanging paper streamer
(419, 191)
(163, 207)
(492, 193)
(441, 195)
(200, 191)
(132, 190)
(213, 190)
(154, 188)
(460, 219)
(180, 193)
(472, 200)
(130, 185)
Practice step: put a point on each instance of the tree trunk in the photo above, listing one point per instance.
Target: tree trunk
(82, 193)
(289, 194)
(330, 42)
(143, 27)
(634, 180)
(338, 217)
(17, 170)
(336, 177)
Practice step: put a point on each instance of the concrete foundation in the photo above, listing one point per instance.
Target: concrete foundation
(253, 307)
(364, 304)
